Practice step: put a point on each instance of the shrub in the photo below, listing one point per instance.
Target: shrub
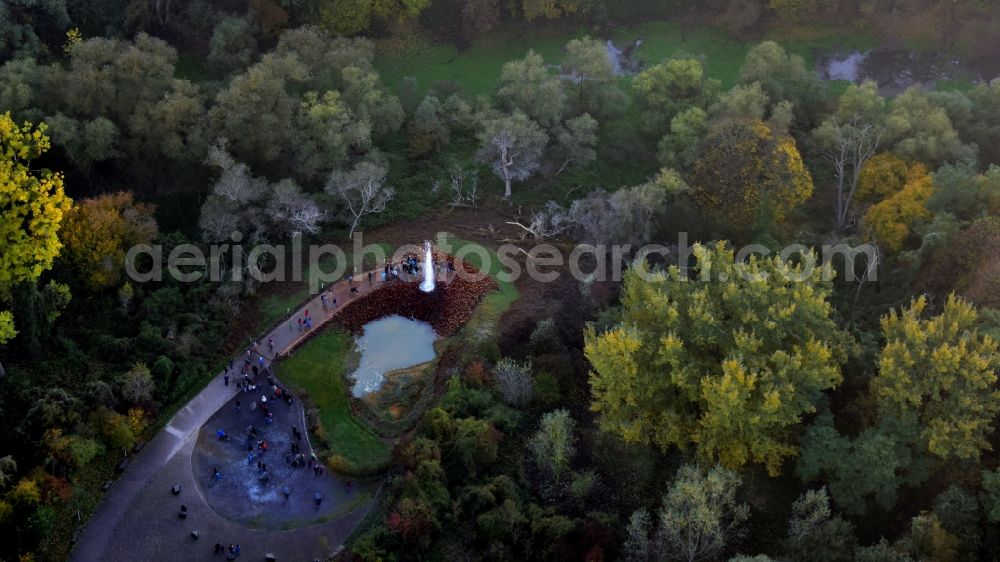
(137, 420)
(475, 374)
(544, 337)
(82, 450)
(553, 445)
(513, 381)
(991, 495)
(26, 492)
(582, 484)
(115, 429)
(136, 386)
(162, 371)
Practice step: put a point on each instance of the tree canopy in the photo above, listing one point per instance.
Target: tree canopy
(747, 176)
(727, 362)
(33, 205)
(99, 231)
(938, 374)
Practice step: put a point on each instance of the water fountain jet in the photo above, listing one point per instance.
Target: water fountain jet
(427, 285)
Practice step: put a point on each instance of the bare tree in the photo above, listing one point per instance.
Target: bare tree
(512, 146)
(161, 9)
(464, 187)
(233, 204)
(217, 221)
(546, 222)
(294, 210)
(362, 191)
(637, 547)
(848, 145)
(136, 386)
(849, 138)
(236, 183)
(626, 216)
(252, 271)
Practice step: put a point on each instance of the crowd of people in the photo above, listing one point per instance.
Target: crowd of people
(231, 553)
(447, 309)
(405, 269)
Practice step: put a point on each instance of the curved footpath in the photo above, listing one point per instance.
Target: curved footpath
(137, 519)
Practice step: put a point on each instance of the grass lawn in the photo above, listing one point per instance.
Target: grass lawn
(478, 68)
(723, 54)
(661, 40)
(317, 369)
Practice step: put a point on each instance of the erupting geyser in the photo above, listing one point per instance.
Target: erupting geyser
(427, 285)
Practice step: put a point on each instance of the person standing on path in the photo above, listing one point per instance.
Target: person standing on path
(226, 379)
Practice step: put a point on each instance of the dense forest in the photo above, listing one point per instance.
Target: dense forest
(749, 418)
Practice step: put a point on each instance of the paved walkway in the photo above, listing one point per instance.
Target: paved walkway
(137, 517)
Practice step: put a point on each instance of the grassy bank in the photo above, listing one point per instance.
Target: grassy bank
(479, 333)
(495, 303)
(317, 369)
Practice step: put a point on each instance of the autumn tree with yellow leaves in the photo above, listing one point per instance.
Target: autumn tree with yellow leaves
(899, 192)
(32, 206)
(746, 175)
(727, 362)
(99, 231)
(938, 375)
